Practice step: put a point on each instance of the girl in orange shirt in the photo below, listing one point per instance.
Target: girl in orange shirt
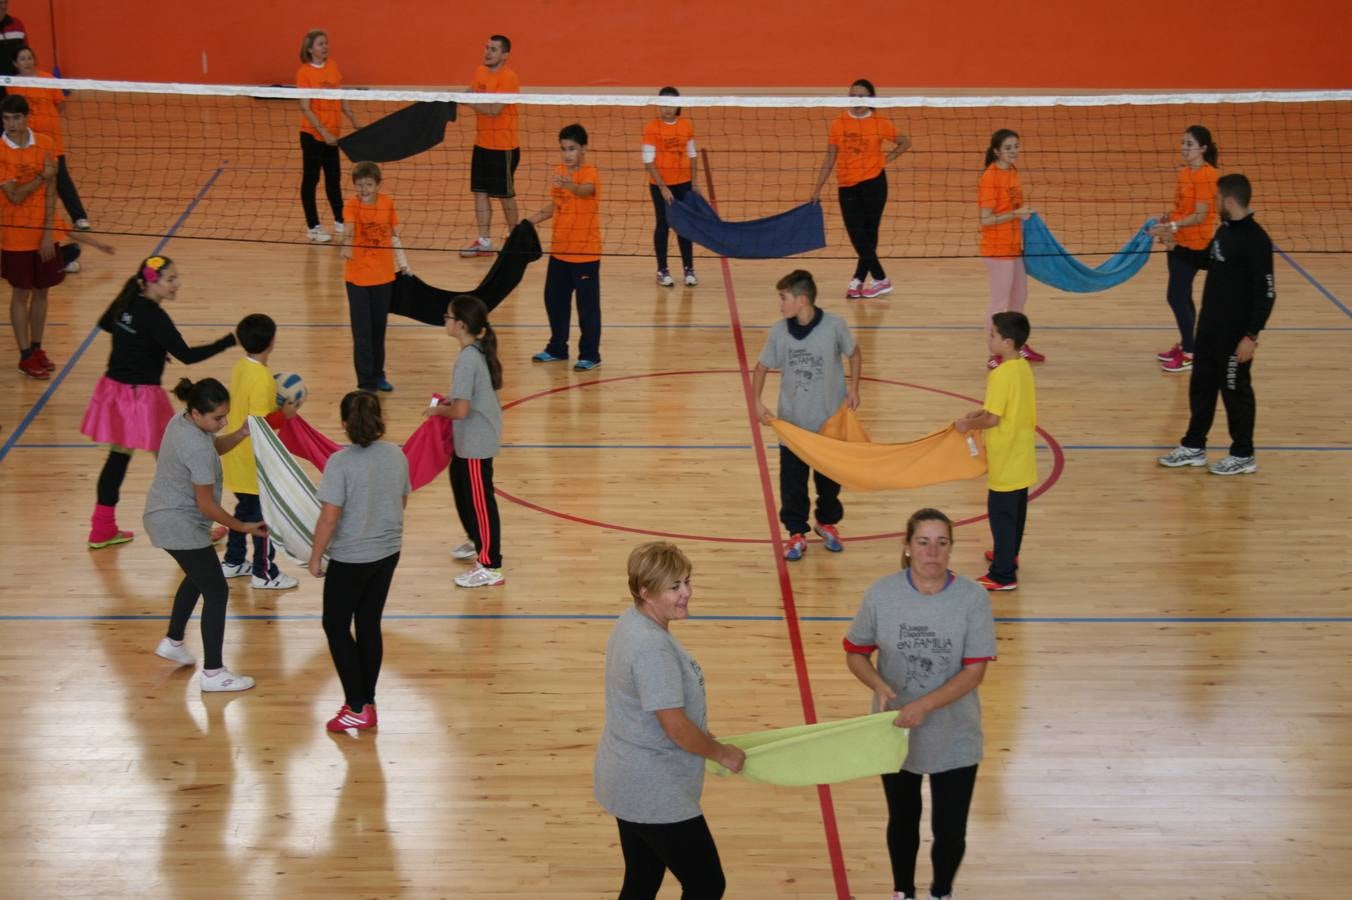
(371, 253)
(672, 162)
(855, 149)
(47, 105)
(320, 124)
(1000, 199)
(1190, 224)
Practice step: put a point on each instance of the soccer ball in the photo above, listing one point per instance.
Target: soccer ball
(290, 388)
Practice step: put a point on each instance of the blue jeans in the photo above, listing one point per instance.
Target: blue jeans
(248, 508)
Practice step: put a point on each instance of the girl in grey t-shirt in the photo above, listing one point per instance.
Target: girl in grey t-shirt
(183, 500)
(934, 635)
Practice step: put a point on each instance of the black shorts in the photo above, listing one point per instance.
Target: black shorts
(493, 172)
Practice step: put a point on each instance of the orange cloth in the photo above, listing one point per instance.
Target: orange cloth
(672, 143)
(496, 132)
(44, 117)
(859, 146)
(577, 220)
(21, 223)
(372, 227)
(842, 452)
(1195, 186)
(329, 112)
(1000, 192)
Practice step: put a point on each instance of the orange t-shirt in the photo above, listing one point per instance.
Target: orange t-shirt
(21, 223)
(328, 112)
(859, 146)
(577, 220)
(1000, 192)
(496, 132)
(1194, 186)
(43, 115)
(673, 146)
(372, 227)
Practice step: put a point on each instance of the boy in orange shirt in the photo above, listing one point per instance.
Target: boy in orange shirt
(672, 162)
(371, 251)
(575, 253)
(497, 150)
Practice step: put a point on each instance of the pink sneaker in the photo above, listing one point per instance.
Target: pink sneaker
(1178, 364)
(1028, 353)
(346, 718)
(994, 362)
(1170, 353)
(877, 289)
(854, 290)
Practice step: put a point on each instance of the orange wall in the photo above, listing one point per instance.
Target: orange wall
(1147, 44)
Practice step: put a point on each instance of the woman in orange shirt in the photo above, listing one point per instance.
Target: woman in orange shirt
(1190, 223)
(1000, 199)
(855, 149)
(672, 162)
(321, 123)
(46, 106)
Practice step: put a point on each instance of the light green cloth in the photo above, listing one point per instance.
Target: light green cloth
(825, 753)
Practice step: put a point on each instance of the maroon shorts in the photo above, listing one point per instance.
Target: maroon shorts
(27, 270)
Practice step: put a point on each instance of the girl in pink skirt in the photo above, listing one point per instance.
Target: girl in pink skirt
(129, 409)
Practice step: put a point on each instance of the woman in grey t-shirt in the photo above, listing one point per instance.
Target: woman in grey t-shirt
(650, 762)
(183, 500)
(934, 635)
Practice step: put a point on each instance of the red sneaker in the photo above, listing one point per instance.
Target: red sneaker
(32, 367)
(854, 290)
(796, 547)
(1169, 354)
(990, 557)
(41, 356)
(830, 537)
(994, 362)
(346, 718)
(991, 584)
(1028, 353)
(1180, 364)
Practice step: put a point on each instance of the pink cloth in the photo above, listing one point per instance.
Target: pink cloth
(429, 449)
(301, 439)
(128, 415)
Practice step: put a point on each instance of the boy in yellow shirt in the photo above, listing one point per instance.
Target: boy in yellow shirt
(253, 392)
(1009, 416)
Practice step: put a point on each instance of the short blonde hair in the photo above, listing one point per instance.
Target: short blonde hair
(654, 566)
(309, 41)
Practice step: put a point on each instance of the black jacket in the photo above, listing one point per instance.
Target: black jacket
(1239, 291)
(142, 334)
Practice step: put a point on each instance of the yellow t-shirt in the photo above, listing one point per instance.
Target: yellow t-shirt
(1011, 455)
(252, 393)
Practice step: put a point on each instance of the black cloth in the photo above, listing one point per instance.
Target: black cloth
(861, 206)
(793, 497)
(1008, 513)
(248, 508)
(356, 592)
(368, 309)
(65, 189)
(476, 502)
(661, 231)
(1239, 292)
(316, 155)
(114, 472)
(493, 172)
(414, 298)
(950, 800)
(686, 848)
(1216, 369)
(563, 281)
(142, 334)
(1182, 272)
(403, 133)
(202, 577)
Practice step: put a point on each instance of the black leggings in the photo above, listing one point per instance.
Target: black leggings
(65, 189)
(114, 472)
(1179, 294)
(315, 154)
(950, 797)
(661, 230)
(357, 591)
(686, 848)
(861, 206)
(202, 577)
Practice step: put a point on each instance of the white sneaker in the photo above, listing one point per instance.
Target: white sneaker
(338, 229)
(481, 246)
(319, 235)
(664, 278)
(282, 582)
(1235, 465)
(224, 680)
(479, 576)
(72, 267)
(174, 652)
(1183, 456)
(232, 571)
(464, 551)
(82, 225)
(690, 279)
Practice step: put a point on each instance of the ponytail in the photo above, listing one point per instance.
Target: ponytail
(1202, 135)
(470, 310)
(203, 396)
(1000, 136)
(148, 272)
(361, 418)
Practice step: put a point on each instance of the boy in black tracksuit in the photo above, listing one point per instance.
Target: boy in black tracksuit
(1236, 303)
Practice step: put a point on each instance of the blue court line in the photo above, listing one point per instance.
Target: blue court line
(1268, 448)
(591, 617)
(94, 332)
(1312, 280)
(714, 326)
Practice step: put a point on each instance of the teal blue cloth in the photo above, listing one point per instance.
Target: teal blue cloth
(1048, 262)
(799, 230)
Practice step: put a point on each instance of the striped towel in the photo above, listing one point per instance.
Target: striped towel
(290, 503)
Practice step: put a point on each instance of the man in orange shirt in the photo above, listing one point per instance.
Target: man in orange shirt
(574, 254)
(28, 257)
(497, 151)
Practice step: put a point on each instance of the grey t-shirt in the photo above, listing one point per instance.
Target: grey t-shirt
(640, 774)
(478, 435)
(370, 484)
(923, 641)
(187, 457)
(811, 375)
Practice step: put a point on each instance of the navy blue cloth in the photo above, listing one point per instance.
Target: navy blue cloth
(799, 230)
(1050, 263)
(401, 134)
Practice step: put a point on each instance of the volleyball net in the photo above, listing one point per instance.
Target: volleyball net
(1095, 167)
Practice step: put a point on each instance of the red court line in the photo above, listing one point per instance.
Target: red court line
(781, 567)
